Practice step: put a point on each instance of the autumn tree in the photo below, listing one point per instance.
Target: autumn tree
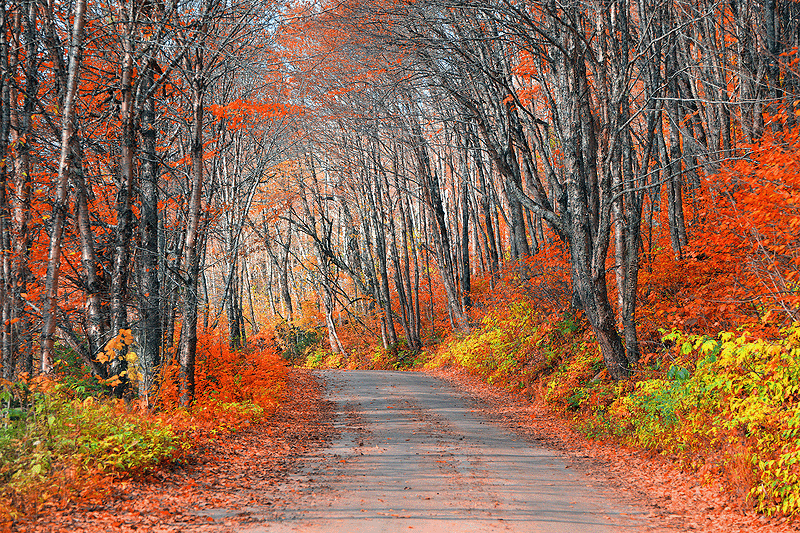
(580, 117)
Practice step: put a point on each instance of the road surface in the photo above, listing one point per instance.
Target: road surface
(415, 454)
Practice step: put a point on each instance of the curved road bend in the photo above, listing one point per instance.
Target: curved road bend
(414, 455)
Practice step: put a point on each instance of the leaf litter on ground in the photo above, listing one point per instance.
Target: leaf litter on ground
(225, 485)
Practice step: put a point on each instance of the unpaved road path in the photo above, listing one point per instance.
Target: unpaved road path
(414, 454)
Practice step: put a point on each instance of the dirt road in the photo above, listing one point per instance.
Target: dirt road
(414, 454)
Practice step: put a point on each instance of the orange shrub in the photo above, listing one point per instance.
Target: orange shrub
(232, 387)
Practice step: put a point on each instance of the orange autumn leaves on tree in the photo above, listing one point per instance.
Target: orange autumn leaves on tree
(742, 264)
(246, 113)
(760, 196)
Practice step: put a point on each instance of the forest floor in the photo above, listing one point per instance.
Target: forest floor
(275, 476)
(240, 472)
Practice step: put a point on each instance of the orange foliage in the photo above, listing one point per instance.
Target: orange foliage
(542, 278)
(244, 113)
(741, 266)
(231, 387)
(755, 201)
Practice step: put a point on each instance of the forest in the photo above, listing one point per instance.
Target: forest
(593, 203)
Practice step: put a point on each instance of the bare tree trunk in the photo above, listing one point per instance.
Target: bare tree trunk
(378, 220)
(486, 207)
(399, 281)
(441, 235)
(21, 135)
(677, 225)
(283, 276)
(414, 341)
(588, 241)
(96, 325)
(233, 308)
(60, 205)
(466, 298)
(191, 250)
(247, 277)
(333, 336)
(170, 261)
(7, 344)
(151, 332)
(122, 232)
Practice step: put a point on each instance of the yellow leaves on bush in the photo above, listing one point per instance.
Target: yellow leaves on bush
(116, 346)
(742, 397)
(507, 342)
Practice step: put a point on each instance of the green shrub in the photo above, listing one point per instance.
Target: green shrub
(738, 407)
(51, 430)
(298, 341)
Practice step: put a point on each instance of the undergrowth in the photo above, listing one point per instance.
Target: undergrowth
(725, 405)
(61, 438)
(729, 405)
(60, 442)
